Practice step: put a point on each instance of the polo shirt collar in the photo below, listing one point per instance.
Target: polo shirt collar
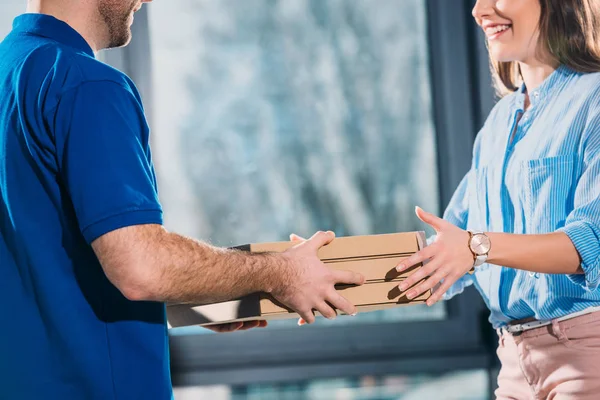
(554, 82)
(52, 28)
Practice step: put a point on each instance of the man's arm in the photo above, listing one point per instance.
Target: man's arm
(105, 168)
(148, 263)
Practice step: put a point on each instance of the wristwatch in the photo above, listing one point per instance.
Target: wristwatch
(480, 245)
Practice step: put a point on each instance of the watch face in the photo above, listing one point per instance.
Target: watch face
(480, 244)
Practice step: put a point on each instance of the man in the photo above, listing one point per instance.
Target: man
(85, 265)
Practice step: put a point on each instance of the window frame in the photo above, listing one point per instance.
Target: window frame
(461, 99)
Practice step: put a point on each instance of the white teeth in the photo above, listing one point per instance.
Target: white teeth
(496, 29)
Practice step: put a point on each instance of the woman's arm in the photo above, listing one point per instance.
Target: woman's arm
(450, 258)
(552, 253)
(573, 250)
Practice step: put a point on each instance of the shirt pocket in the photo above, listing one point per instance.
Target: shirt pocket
(548, 192)
(478, 199)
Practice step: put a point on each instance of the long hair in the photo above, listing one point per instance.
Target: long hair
(569, 31)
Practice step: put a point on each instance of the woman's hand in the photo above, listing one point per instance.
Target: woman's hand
(236, 326)
(447, 259)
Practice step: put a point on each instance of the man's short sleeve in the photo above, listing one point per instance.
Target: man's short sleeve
(104, 159)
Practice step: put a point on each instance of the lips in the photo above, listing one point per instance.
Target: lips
(495, 30)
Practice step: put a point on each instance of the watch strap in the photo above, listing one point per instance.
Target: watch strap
(477, 259)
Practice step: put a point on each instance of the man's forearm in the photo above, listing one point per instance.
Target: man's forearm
(552, 253)
(146, 263)
(149, 263)
(192, 271)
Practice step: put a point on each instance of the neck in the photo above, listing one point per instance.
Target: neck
(535, 73)
(77, 14)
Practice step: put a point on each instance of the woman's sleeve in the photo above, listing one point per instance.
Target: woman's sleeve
(583, 223)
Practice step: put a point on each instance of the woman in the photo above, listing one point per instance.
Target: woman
(534, 189)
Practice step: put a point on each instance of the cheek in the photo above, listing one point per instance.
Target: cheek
(526, 36)
(510, 8)
(529, 20)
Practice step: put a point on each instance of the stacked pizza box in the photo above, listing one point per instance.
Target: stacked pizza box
(374, 256)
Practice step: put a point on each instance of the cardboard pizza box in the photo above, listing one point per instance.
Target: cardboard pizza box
(374, 256)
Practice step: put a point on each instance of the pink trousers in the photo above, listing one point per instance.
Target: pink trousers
(555, 362)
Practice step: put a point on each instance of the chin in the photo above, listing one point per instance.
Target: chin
(126, 41)
(120, 42)
(503, 55)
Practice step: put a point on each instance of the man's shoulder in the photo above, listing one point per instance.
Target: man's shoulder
(62, 69)
(62, 60)
(94, 70)
(85, 69)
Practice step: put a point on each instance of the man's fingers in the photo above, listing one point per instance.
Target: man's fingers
(320, 239)
(307, 316)
(326, 311)
(417, 258)
(249, 325)
(234, 326)
(237, 326)
(341, 303)
(348, 277)
(296, 238)
(225, 328)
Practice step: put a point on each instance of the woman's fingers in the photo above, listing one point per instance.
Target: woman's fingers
(417, 258)
(426, 285)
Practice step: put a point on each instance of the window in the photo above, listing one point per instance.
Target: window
(9, 9)
(463, 385)
(294, 116)
(272, 117)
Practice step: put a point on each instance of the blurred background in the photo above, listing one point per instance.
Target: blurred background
(278, 116)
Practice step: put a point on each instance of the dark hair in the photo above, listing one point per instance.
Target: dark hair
(569, 30)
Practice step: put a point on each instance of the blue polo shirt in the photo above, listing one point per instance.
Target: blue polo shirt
(74, 164)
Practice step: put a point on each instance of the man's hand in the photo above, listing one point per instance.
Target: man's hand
(147, 263)
(237, 326)
(311, 284)
(446, 260)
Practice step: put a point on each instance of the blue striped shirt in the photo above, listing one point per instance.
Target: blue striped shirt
(547, 179)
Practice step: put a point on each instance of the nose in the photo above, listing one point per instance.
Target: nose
(482, 9)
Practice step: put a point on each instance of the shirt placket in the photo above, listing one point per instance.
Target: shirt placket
(521, 122)
(514, 134)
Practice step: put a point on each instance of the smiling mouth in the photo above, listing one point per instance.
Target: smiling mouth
(494, 32)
